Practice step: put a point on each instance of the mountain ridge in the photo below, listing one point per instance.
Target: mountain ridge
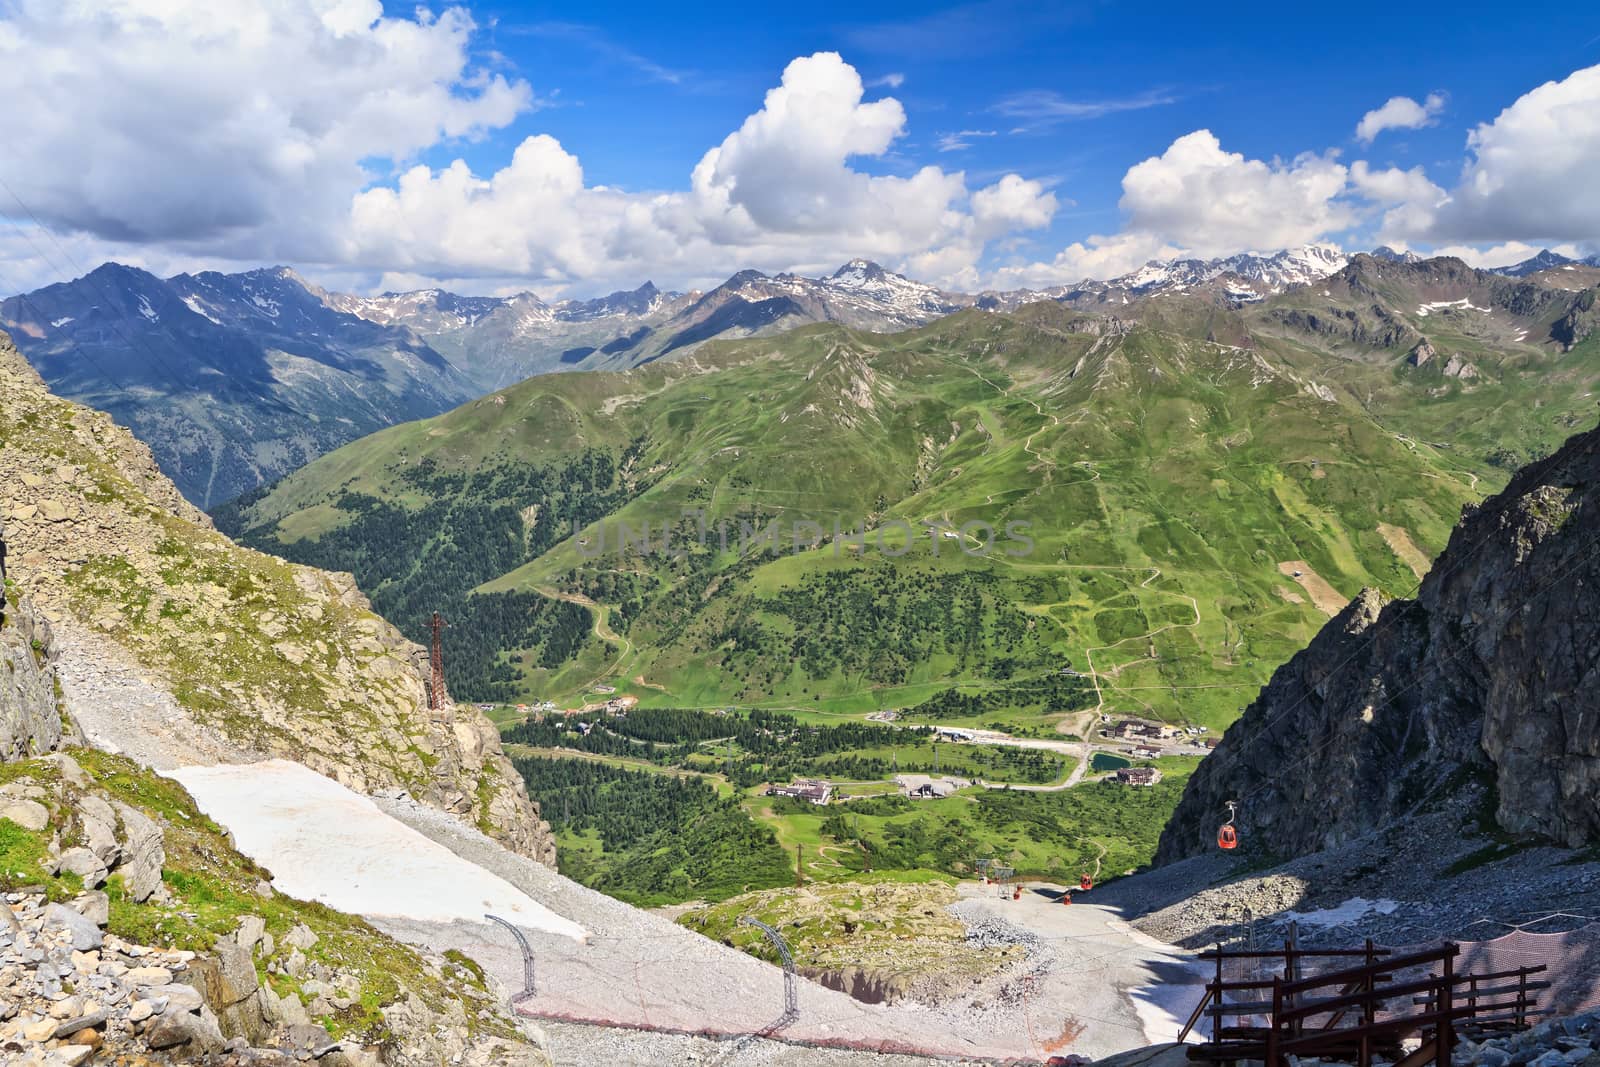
(233, 379)
(236, 379)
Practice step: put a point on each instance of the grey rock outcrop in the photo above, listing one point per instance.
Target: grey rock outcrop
(29, 720)
(1490, 674)
(1573, 328)
(142, 852)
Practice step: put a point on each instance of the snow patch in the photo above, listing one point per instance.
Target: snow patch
(198, 308)
(323, 842)
(146, 310)
(62, 321)
(1464, 304)
(1352, 910)
(1163, 1006)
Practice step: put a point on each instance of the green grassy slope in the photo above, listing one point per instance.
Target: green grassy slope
(1161, 477)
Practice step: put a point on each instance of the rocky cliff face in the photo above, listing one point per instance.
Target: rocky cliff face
(272, 658)
(30, 723)
(1493, 673)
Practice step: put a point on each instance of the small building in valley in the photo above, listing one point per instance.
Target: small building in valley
(1134, 730)
(1137, 776)
(812, 790)
(925, 787)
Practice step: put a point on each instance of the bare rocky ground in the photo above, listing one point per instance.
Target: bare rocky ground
(1075, 992)
(71, 994)
(121, 708)
(1444, 878)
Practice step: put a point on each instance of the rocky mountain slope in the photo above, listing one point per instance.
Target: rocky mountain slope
(1545, 260)
(232, 379)
(1487, 674)
(235, 379)
(501, 340)
(265, 657)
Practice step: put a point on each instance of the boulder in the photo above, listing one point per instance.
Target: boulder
(99, 824)
(90, 1021)
(93, 905)
(85, 864)
(28, 814)
(252, 928)
(302, 936)
(195, 1032)
(85, 934)
(228, 981)
(143, 853)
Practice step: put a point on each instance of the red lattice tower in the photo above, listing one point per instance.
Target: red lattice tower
(436, 697)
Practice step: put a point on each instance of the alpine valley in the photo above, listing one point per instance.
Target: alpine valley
(1199, 482)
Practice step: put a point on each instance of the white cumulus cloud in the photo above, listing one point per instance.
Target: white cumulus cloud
(1399, 113)
(1213, 202)
(1099, 256)
(292, 130)
(779, 192)
(221, 125)
(1532, 171)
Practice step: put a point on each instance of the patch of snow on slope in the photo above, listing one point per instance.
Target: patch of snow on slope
(198, 308)
(323, 842)
(58, 323)
(1464, 304)
(146, 310)
(1352, 910)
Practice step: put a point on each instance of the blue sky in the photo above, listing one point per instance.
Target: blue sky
(493, 146)
(639, 91)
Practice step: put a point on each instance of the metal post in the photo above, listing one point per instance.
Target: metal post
(528, 990)
(436, 693)
(1291, 967)
(1272, 1024)
(1445, 1040)
(1216, 1023)
(1368, 1006)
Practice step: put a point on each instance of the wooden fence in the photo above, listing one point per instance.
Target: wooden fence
(1359, 1010)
